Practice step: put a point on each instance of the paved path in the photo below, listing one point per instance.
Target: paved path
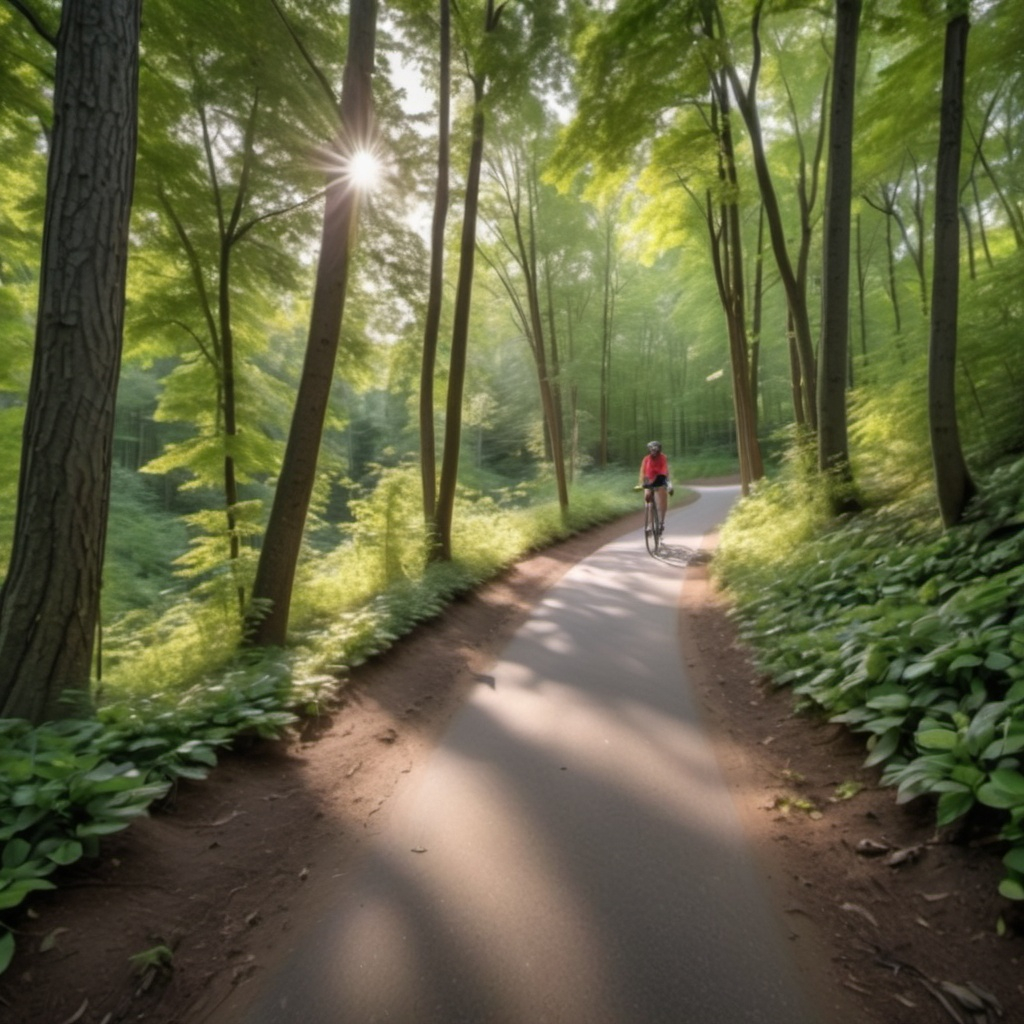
(569, 854)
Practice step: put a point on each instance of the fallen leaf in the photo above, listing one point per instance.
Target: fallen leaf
(856, 908)
(986, 996)
(872, 848)
(77, 1015)
(905, 856)
(49, 941)
(964, 996)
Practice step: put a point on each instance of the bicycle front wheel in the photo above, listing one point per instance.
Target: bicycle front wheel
(652, 528)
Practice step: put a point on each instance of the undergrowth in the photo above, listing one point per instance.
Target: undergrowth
(178, 693)
(907, 634)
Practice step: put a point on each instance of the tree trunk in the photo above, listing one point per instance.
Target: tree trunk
(606, 346)
(796, 296)
(548, 388)
(833, 447)
(428, 444)
(953, 482)
(460, 334)
(49, 604)
(726, 245)
(275, 574)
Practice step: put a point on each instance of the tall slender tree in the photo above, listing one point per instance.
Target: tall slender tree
(515, 172)
(833, 448)
(275, 573)
(793, 276)
(432, 320)
(953, 483)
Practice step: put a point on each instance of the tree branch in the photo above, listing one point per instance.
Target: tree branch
(308, 58)
(34, 20)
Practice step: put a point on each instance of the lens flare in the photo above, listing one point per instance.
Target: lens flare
(364, 170)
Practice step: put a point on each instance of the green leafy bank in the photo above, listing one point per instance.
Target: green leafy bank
(907, 634)
(65, 785)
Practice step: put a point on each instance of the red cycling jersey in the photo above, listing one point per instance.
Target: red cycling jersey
(654, 466)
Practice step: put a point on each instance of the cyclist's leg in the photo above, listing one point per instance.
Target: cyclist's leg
(661, 497)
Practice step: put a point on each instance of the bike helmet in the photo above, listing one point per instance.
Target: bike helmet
(654, 446)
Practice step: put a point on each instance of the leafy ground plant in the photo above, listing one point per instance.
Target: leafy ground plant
(65, 785)
(911, 636)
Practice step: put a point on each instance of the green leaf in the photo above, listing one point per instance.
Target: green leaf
(185, 771)
(953, 805)
(6, 950)
(99, 828)
(11, 895)
(68, 852)
(1005, 789)
(1011, 889)
(997, 661)
(1014, 859)
(919, 669)
(16, 852)
(884, 749)
(195, 751)
(936, 739)
(1013, 744)
(964, 661)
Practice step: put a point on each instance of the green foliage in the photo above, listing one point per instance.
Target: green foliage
(142, 540)
(769, 530)
(65, 785)
(908, 635)
(171, 649)
(175, 696)
(342, 614)
(156, 958)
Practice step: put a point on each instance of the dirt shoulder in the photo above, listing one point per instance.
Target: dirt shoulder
(214, 883)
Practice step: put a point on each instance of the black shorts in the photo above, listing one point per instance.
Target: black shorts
(659, 481)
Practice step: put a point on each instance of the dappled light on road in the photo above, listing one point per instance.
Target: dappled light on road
(569, 854)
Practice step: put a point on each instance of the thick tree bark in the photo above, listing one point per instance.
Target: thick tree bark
(275, 574)
(953, 482)
(428, 444)
(833, 446)
(49, 605)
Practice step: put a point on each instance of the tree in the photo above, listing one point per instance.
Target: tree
(445, 506)
(432, 319)
(223, 113)
(794, 278)
(507, 60)
(833, 450)
(516, 177)
(275, 573)
(953, 483)
(49, 604)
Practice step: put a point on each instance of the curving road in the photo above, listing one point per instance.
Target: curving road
(570, 853)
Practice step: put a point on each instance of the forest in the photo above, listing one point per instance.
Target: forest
(316, 314)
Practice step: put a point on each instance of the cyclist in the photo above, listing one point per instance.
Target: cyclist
(654, 475)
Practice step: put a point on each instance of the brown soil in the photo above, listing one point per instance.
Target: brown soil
(229, 866)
